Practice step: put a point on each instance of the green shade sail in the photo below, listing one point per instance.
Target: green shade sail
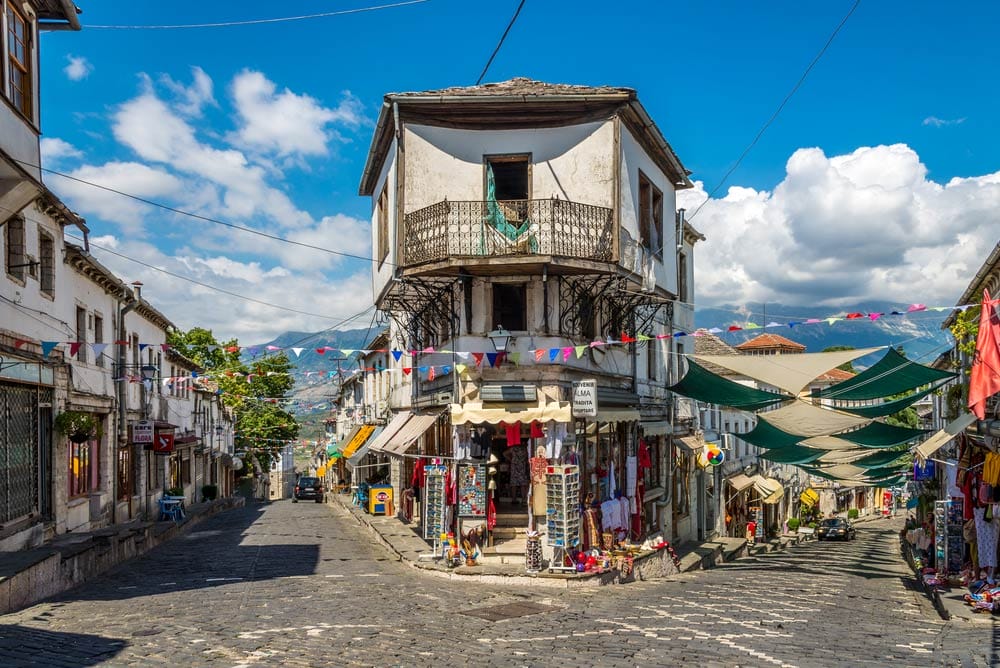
(766, 435)
(880, 458)
(885, 472)
(892, 374)
(701, 384)
(890, 407)
(795, 454)
(881, 435)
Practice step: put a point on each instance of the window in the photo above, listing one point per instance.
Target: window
(682, 278)
(511, 176)
(98, 338)
(651, 475)
(125, 483)
(651, 359)
(47, 260)
(382, 209)
(650, 217)
(14, 242)
(19, 60)
(81, 334)
(154, 472)
(82, 468)
(510, 307)
(681, 474)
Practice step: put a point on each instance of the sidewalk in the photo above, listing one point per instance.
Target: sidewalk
(71, 559)
(402, 540)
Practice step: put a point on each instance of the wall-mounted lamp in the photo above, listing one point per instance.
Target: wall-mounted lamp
(500, 338)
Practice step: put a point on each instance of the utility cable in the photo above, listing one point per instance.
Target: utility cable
(228, 24)
(777, 111)
(500, 43)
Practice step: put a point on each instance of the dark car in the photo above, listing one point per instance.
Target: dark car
(835, 529)
(309, 488)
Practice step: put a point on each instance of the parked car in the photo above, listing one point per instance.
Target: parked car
(309, 488)
(836, 528)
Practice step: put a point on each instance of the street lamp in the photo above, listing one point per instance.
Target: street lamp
(500, 338)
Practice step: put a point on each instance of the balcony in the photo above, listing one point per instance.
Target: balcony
(508, 229)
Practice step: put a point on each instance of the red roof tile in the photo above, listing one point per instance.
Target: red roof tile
(771, 341)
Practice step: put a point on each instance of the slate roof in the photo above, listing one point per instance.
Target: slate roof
(519, 87)
(710, 344)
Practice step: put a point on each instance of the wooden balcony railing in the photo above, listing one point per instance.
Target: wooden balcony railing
(508, 228)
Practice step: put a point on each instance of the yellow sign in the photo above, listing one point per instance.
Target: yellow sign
(810, 497)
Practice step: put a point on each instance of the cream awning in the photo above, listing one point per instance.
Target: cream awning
(477, 413)
(655, 428)
(950, 431)
(411, 431)
(379, 443)
(770, 490)
(791, 373)
(739, 481)
(802, 418)
(692, 443)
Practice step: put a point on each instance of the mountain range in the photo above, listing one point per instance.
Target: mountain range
(919, 334)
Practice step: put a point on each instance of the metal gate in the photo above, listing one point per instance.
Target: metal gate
(20, 449)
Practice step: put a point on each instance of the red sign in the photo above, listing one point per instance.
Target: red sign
(381, 497)
(163, 442)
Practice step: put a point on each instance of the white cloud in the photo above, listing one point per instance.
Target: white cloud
(843, 229)
(283, 123)
(941, 122)
(55, 149)
(78, 68)
(189, 100)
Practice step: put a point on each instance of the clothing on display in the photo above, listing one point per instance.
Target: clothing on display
(986, 538)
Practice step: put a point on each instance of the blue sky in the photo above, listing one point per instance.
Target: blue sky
(878, 180)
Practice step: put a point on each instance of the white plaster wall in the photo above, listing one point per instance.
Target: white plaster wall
(573, 162)
(633, 159)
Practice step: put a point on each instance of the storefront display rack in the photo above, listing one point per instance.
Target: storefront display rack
(434, 503)
(562, 485)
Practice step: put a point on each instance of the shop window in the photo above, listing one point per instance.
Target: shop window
(19, 58)
(16, 258)
(82, 469)
(47, 262)
(650, 217)
(510, 307)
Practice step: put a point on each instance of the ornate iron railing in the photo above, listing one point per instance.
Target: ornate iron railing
(508, 228)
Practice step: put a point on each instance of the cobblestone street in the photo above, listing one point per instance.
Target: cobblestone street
(302, 585)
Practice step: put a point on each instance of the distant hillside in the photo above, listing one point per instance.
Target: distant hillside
(919, 333)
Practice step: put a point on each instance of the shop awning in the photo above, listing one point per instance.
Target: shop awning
(890, 375)
(186, 440)
(360, 453)
(770, 490)
(941, 438)
(411, 431)
(356, 439)
(379, 443)
(701, 384)
(621, 415)
(655, 428)
(739, 482)
(478, 413)
(791, 373)
(692, 443)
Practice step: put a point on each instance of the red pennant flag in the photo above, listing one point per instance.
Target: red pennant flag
(19, 342)
(734, 328)
(407, 370)
(854, 316)
(627, 339)
(321, 351)
(120, 342)
(478, 357)
(538, 355)
(430, 374)
(984, 381)
(74, 348)
(233, 349)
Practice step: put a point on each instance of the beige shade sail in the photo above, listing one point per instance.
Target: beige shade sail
(380, 442)
(843, 456)
(844, 471)
(476, 413)
(802, 418)
(831, 443)
(941, 438)
(791, 373)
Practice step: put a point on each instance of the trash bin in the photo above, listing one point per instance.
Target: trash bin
(379, 499)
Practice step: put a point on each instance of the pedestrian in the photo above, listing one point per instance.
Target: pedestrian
(751, 532)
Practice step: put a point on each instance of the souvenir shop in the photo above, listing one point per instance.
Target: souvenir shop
(574, 486)
(953, 533)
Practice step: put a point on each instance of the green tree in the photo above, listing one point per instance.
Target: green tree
(846, 366)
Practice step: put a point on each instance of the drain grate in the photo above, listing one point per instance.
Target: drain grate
(496, 613)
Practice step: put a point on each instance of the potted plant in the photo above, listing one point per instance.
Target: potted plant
(209, 492)
(174, 491)
(78, 426)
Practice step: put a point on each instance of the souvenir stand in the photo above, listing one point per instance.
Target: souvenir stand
(434, 505)
(563, 515)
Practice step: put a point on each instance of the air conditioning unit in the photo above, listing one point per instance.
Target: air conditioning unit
(443, 397)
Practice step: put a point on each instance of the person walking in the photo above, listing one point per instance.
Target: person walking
(751, 532)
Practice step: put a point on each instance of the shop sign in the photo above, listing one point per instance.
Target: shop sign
(163, 443)
(585, 398)
(142, 431)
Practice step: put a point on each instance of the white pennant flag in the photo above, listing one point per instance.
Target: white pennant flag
(98, 348)
(297, 351)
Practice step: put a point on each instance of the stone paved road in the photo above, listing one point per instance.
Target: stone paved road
(302, 585)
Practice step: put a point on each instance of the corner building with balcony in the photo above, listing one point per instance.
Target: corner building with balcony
(515, 226)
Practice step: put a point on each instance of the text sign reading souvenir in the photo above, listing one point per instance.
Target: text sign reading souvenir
(585, 398)
(472, 490)
(142, 431)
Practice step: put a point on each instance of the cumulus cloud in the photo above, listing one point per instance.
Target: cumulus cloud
(284, 123)
(77, 68)
(839, 230)
(941, 122)
(190, 100)
(54, 149)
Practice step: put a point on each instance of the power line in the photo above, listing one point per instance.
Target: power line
(777, 111)
(500, 43)
(227, 24)
(197, 216)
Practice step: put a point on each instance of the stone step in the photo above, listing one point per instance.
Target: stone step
(514, 546)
